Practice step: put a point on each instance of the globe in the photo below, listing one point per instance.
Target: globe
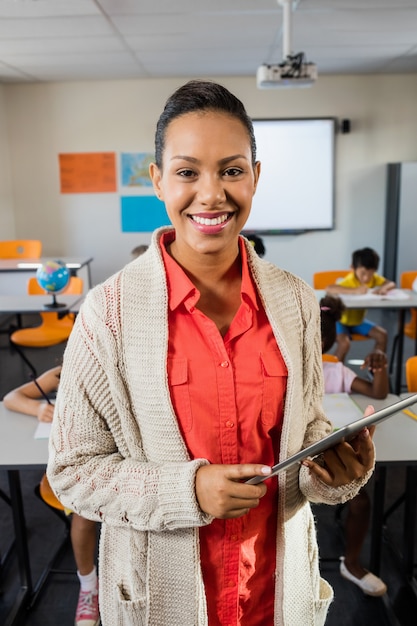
(53, 276)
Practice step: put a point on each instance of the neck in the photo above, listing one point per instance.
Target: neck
(206, 269)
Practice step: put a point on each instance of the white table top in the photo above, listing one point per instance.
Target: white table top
(36, 304)
(30, 265)
(395, 438)
(375, 302)
(18, 447)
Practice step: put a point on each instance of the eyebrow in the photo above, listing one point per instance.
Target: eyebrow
(190, 159)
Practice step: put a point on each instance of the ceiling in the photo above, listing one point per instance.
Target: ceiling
(60, 40)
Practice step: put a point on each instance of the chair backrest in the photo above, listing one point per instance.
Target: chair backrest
(332, 358)
(321, 280)
(411, 373)
(407, 279)
(21, 249)
(74, 287)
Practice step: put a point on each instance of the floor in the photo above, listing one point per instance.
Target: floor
(58, 596)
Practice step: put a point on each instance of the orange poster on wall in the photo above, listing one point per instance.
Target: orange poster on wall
(87, 172)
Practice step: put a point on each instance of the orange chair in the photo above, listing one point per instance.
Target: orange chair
(332, 358)
(410, 329)
(21, 249)
(55, 328)
(321, 280)
(411, 373)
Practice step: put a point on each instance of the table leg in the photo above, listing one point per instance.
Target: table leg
(410, 519)
(377, 518)
(400, 350)
(22, 549)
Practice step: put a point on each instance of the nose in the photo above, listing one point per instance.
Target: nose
(211, 191)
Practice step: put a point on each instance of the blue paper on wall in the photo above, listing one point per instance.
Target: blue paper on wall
(142, 214)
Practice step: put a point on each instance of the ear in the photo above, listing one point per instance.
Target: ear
(156, 177)
(257, 172)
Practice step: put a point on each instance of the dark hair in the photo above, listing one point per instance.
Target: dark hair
(138, 250)
(257, 243)
(331, 309)
(365, 257)
(200, 95)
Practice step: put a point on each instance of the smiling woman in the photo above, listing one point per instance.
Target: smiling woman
(193, 369)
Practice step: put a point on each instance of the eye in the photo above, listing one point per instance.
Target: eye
(233, 171)
(186, 173)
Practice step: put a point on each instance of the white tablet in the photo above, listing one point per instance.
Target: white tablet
(345, 432)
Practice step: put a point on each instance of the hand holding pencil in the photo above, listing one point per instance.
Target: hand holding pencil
(45, 412)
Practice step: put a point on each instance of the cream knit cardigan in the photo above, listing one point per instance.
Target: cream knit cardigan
(117, 455)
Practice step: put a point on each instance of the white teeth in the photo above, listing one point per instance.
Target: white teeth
(205, 221)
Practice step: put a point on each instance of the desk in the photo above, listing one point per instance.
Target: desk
(18, 451)
(17, 305)
(14, 273)
(395, 442)
(36, 304)
(371, 302)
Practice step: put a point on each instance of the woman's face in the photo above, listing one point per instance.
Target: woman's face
(207, 180)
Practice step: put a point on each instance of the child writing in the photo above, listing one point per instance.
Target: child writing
(339, 378)
(362, 278)
(31, 399)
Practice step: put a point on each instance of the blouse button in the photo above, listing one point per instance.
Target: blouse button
(229, 424)
(224, 364)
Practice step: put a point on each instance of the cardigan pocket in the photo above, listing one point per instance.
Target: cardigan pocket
(131, 611)
(274, 387)
(323, 603)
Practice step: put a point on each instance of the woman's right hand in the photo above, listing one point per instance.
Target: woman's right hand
(45, 412)
(222, 492)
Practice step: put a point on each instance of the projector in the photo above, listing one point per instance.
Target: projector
(286, 74)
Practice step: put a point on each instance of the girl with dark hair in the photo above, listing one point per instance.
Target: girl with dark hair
(339, 378)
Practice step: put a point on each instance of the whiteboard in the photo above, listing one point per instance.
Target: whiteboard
(296, 187)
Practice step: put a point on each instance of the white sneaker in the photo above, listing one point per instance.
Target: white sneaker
(370, 584)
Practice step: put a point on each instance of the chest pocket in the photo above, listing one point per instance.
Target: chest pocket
(275, 376)
(180, 395)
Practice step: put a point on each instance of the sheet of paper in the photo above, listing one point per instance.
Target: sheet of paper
(394, 294)
(341, 409)
(43, 430)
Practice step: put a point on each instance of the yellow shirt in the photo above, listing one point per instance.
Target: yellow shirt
(354, 317)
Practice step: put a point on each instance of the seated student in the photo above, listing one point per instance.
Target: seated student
(362, 278)
(28, 399)
(339, 378)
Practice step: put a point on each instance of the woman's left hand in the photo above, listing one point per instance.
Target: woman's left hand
(347, 461)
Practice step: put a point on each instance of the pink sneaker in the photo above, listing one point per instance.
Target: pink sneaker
(87, 609)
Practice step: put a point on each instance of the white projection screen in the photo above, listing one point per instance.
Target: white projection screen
(296, 187)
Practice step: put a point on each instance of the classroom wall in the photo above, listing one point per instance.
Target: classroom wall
(7, 226)
(44, 120)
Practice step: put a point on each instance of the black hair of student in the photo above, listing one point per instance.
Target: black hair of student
(257, 243)
(201, 95)
(365, 257)
(331, 309)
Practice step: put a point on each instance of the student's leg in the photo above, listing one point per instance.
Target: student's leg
(343, 346)
(356, 527)
(380, 336)
(83, 539)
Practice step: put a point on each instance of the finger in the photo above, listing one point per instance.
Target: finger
(245, 471)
